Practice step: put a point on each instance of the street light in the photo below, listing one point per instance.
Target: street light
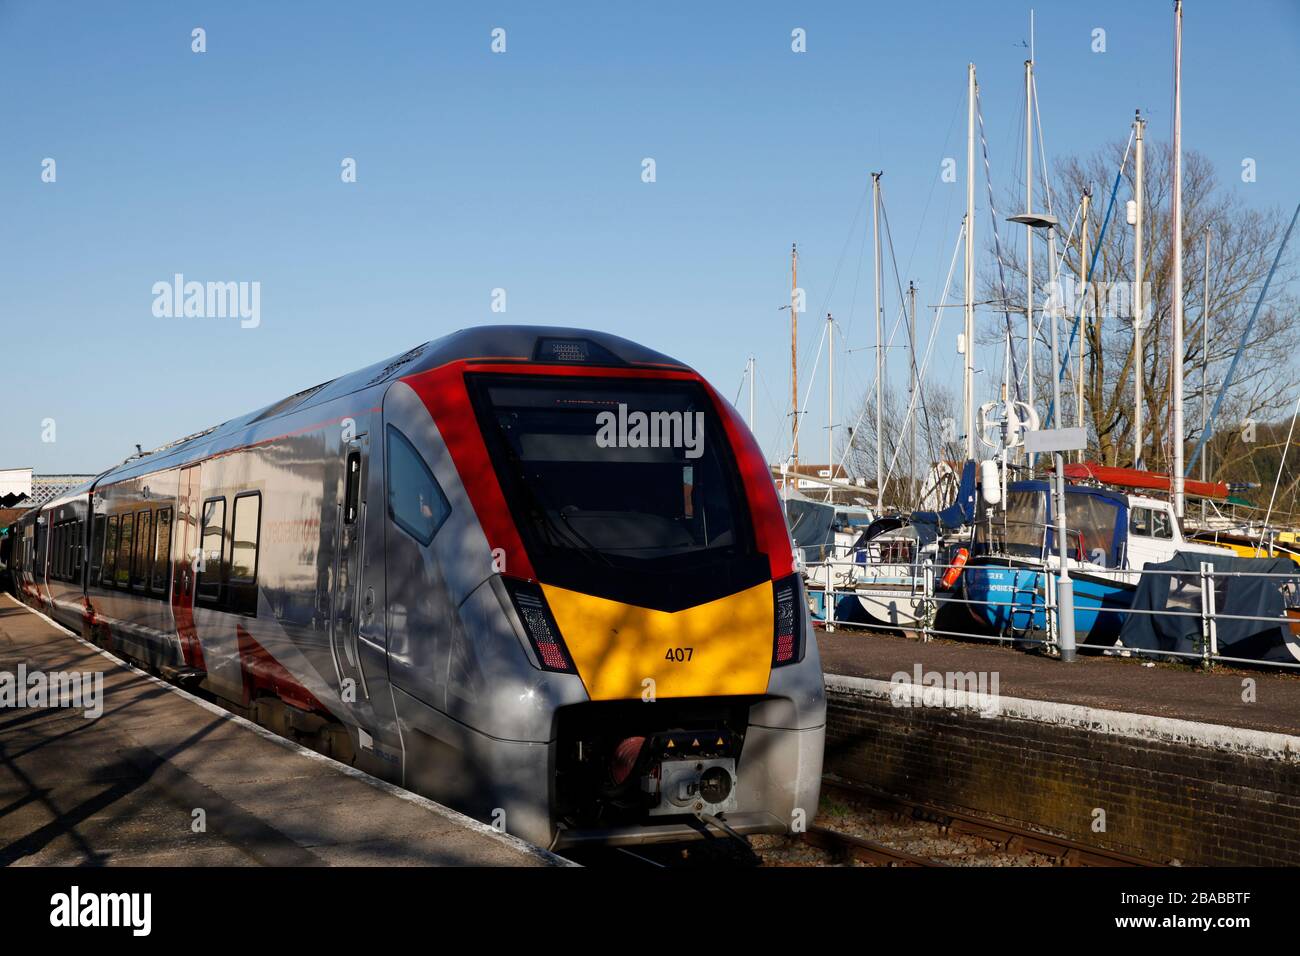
(1065, 439)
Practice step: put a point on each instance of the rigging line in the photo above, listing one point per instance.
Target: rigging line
(997, 247)
(958, 101)
(771, 402)
(1042, 149)
(1241, 345)
(857, 279)
(839, 265)
(812, 380)
(1101, 236)
(741, 387)
(929, 438)
(782, 447)
(898, 282)
(1280, 465)
(929, 350)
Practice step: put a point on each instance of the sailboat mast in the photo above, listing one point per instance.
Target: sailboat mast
(880, 345)
(830, 401)
(1083, 312)
(794, 352)
(911, 390)
(1176, 484)
(968, 331)
(1205, 355)
(1139, 354)
(751, 391)
(1029, 229)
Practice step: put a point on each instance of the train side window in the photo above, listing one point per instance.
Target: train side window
(415, 501)
(212, 533)
(125, 538)
(110, 552)
(245, 520)
(81, 550)
(143, 551)
(97, 547)
(162, 560)
(57, 554)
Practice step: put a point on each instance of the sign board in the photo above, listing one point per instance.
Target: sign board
(1046, 440)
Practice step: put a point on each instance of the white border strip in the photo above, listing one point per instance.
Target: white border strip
(1169, 730)
(455, 816)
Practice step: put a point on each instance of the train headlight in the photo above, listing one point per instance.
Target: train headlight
(540, 626)
(787, 637)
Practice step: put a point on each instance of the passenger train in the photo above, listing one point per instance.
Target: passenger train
(434, 570)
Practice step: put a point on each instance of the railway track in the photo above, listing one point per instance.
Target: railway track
(1005, 837)
(846, 845)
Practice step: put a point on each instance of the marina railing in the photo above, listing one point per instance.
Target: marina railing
(918, 587)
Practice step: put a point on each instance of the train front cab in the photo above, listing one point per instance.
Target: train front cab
(629, 647)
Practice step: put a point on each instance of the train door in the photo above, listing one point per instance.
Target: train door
(352, 602)
(186, 543)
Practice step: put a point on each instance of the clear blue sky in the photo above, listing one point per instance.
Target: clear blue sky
(523, 171)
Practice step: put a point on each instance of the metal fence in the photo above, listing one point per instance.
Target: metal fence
(924, 597)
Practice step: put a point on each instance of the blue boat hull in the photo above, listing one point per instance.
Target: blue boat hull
(1015, 596)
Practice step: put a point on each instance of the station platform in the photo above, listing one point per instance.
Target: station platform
(1130, 685)
(1165, 763)
(132, 785)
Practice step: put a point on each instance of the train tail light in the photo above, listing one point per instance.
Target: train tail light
(787, 637)
(540, 626)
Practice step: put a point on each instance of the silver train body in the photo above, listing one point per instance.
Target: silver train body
(435, 569)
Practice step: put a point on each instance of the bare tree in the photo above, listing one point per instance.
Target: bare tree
(937, 439)
(1243, 243)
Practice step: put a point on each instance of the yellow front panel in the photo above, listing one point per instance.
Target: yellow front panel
(723, 647)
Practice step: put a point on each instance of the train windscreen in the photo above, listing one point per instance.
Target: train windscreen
(636, 470)
(612, 473)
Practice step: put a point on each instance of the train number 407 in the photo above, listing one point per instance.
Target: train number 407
(679, 653)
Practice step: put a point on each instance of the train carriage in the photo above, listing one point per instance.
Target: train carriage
(477, 571)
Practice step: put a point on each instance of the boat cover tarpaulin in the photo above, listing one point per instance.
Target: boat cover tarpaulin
(811, 523)
(1256, 597)
(960, 512)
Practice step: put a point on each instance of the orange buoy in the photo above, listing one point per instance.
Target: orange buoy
(953, 573)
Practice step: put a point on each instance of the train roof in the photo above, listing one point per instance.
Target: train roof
(522, 343)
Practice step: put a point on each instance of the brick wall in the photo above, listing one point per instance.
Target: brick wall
(1163, 801)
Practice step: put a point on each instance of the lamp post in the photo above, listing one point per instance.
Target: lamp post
(1056, 441)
